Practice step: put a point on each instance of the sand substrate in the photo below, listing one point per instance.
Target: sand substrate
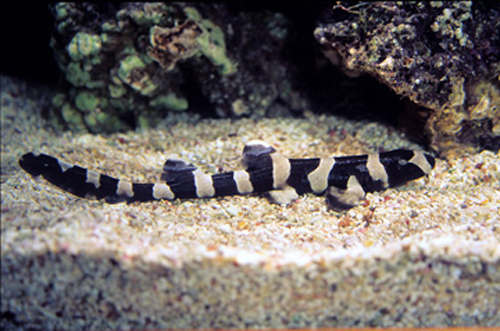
(424, 254)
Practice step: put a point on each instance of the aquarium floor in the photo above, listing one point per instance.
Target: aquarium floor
(425, 254)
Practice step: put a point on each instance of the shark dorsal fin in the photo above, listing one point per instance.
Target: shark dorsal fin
(174, 167)
(255, 154)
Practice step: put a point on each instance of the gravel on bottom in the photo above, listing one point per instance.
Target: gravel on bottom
(424, 254)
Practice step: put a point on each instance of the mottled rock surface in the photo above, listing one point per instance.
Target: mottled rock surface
(443, 56)
(129, 64)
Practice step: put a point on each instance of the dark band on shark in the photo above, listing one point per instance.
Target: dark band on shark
(344, 180)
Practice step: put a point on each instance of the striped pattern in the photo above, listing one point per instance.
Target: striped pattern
(344, 180)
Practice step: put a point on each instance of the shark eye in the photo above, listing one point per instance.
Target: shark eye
(403, 162)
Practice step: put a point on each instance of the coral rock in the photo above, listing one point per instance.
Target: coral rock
(135, 62)
(443, 56)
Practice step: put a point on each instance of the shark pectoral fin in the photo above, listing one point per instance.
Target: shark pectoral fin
(255, 154)
(283, 196)
(174, 167)
(345, 198)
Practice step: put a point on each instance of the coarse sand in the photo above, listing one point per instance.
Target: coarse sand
(424, 254)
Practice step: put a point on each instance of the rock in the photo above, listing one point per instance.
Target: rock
(443, 56)
(129, 64)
